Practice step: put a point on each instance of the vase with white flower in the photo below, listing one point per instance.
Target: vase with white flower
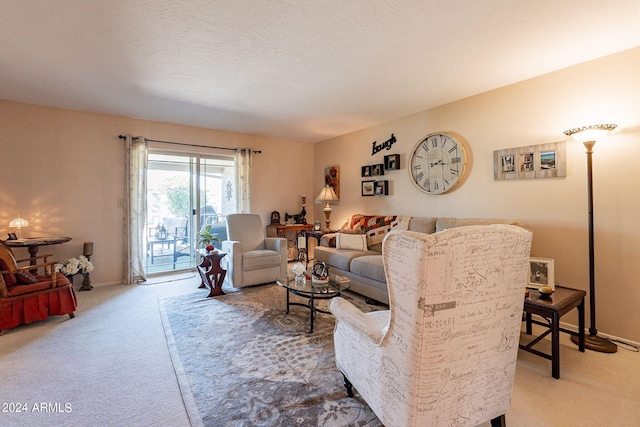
(73, 266)
(300, 273)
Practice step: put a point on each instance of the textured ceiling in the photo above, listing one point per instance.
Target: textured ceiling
(297, 69)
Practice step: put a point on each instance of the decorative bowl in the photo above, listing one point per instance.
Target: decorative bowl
(545, 291)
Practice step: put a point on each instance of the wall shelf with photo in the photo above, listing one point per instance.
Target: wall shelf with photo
(381, 188)
(375, 188)
(392, 162)
(533, 161)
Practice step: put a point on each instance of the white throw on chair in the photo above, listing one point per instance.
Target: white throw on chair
(444, 354)
(252, 258)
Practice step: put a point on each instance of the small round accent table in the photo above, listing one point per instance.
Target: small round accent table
(211, 272)
(312, 292)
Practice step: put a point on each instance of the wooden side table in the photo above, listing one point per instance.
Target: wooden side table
(552, 308)
(279, 230)
(32, 245)
(212, 273)
(316, 234)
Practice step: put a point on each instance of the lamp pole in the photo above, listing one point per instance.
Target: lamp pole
(587, 137)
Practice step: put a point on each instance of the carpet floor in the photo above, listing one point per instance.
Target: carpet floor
(241, 360)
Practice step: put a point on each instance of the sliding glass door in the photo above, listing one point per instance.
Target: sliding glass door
(186, 192)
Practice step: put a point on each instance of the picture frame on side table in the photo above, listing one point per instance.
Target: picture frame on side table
(381, 188)
(541, 273)
(367, 188)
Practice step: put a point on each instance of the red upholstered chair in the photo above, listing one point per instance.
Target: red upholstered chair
(27, 297)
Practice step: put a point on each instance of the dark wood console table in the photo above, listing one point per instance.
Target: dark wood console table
(552, 308)
(212, 273)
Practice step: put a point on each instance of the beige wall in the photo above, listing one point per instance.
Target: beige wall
(533, 112)
(64, 172)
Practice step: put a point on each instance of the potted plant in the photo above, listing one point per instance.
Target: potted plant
(206, 238)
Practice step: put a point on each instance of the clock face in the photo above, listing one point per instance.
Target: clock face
(438, 163)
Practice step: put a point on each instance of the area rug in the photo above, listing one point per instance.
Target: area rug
(242, 361)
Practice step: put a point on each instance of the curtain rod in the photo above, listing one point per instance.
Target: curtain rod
(191, 145)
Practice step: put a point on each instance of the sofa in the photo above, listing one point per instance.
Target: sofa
(355, 249)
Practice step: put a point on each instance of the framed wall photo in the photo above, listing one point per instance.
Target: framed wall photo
(367, 188)
(541, 273)
(533, 161)
(377, 170)
(332, 179)
(366, 171)
(392, 162)
(381, 188)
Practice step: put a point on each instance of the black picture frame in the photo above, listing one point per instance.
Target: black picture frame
(366, 171)
(392, 162)
(368, 188)
(275, 217)
(377, 169)
(12, 236)
(381, 188)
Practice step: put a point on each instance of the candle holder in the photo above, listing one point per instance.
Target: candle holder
(87, 251)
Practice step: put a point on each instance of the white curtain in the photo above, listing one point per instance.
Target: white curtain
(243, 180)
(136, 209)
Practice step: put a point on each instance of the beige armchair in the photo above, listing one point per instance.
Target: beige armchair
(445, 352)
(252, 258)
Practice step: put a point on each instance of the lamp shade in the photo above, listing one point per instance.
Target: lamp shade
(590, 133)
(327, 195)
(18, 222)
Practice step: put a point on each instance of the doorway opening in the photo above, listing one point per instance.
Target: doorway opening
(186, 192)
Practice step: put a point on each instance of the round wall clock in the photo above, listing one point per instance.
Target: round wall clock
(438, 163)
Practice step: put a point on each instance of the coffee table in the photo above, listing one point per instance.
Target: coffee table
(312, 292)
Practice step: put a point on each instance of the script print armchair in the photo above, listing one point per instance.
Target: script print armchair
(27, 297)
(252, 258)
(444, 354)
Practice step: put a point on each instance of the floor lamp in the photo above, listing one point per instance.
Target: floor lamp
(588, 136)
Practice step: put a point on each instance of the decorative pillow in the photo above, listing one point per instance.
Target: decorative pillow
(357, 242)
(376, 227)
(9, 279)
(25, 277)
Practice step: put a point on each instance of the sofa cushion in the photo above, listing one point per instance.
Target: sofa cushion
(339, 258)
(356, 242)
(423, 224)
(446, 223)
(369, 266)
(259, 259)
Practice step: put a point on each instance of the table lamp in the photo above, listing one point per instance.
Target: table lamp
(328, 196)
(18, 223)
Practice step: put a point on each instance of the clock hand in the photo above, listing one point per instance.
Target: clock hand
(439, 162)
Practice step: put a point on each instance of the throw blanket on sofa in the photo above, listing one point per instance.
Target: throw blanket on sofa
(375, 227)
